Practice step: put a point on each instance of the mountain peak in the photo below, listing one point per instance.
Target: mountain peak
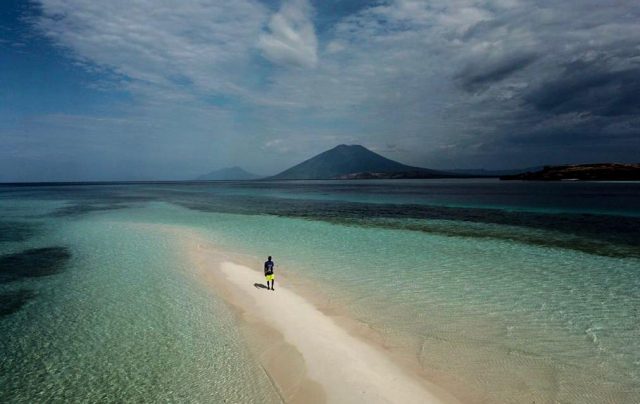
(351, 161)
(350, 147)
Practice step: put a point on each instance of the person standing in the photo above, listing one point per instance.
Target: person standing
(268, 273)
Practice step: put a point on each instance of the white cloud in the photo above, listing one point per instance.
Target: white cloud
(291, 39)
(188, 44)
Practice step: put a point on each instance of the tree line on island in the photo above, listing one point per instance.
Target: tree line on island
(345, 162)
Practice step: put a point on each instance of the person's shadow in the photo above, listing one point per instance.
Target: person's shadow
(260, 286)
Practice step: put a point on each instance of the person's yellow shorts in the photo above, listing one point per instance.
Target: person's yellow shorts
(270, 277)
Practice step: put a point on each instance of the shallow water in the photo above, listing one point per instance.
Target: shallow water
(119, 320)
(520, 292)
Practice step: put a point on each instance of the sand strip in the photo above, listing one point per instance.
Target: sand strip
(308, 356)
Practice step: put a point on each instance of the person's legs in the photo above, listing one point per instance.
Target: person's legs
(270, 278)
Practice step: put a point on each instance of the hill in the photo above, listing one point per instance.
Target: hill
(228, 174)
(481, 172)
(584, 172)
(354, 162)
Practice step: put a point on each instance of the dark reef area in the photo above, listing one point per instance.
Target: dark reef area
(33, 263)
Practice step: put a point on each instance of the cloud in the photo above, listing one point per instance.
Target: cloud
(291, 37)
(183, 47)
(474, 77)
(444, 82)
(590, 89)
(465, 80)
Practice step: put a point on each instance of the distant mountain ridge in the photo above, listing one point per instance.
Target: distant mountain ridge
(354, 162)
(228, 174)
(582, 172)
(482, 172)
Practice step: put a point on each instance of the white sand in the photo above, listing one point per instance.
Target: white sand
(308, 357)
(349, 370)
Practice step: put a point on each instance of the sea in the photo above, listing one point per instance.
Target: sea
(516, 292)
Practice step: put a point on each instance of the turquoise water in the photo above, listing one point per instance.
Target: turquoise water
(123, 321)
(516, 297)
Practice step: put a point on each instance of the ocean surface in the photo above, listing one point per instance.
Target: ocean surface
(520, 292)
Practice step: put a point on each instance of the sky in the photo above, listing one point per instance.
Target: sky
(171, 89)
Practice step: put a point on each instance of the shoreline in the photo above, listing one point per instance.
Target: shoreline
(308, 355)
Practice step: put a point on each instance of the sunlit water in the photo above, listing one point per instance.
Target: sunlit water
(520, 292)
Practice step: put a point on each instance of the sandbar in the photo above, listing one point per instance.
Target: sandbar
(307, 355)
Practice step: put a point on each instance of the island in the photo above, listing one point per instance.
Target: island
(582, 172)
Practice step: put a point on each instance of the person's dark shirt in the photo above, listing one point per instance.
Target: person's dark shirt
(268, 268)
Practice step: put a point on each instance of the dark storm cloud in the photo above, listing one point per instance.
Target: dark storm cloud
(475, 77)
(592, 89)
(585, 110)
(552, 83)
(587, 135)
